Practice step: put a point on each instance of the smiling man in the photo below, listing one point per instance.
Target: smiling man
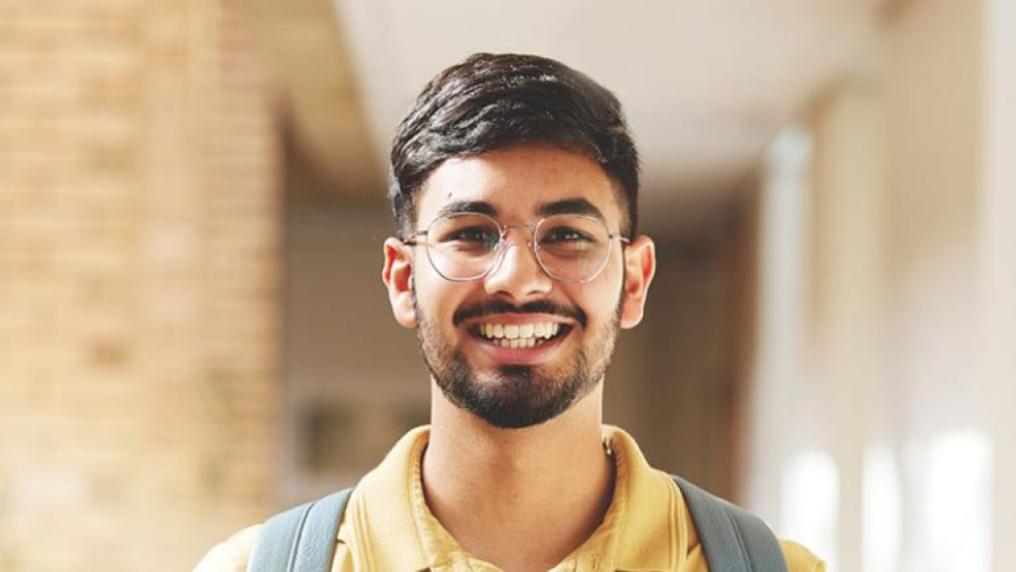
(514, 184)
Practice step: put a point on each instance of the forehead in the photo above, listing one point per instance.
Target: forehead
(519, 183)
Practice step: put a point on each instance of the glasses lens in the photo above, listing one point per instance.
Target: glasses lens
(462, 246)
(572, 247)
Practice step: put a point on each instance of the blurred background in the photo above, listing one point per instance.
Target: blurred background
(193, 332)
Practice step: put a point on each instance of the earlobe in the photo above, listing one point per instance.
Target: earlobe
(397, 275)
(639, 268)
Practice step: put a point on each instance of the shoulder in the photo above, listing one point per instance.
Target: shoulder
(799, 558)
(232, 554)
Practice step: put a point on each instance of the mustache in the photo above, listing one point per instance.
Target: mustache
(495, 307)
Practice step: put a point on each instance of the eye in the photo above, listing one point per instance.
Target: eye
(565, 235)
(474, 236)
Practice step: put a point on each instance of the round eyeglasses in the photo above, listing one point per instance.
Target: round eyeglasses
(467, 246)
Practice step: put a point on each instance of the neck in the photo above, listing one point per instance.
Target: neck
(545, 487)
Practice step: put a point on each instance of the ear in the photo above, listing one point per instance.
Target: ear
(397, 275)
(639, 269)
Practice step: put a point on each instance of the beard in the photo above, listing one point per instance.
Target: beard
(516, 396)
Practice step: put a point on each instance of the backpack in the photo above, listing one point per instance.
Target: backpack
(302, 539)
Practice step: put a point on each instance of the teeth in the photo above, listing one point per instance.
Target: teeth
(527, 335)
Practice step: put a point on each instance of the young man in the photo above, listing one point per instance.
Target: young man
(514, 185)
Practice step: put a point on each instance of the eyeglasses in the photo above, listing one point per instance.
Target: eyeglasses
(467, 246)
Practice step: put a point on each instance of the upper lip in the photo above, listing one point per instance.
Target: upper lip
(518, 318)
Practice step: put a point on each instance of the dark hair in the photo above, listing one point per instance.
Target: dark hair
(492, 101)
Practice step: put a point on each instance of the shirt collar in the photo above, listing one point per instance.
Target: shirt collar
(644, 528)
(383, 521)
(652, 524)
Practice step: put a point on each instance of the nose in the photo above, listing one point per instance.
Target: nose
(516, 273)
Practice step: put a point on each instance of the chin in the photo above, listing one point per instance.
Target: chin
(515, 396)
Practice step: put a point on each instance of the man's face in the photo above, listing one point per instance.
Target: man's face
(571, 327)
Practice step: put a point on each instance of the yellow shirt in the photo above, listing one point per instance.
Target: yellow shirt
(387, 525)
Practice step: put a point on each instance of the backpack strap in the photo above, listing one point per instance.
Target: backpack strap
(301, 539)
(733, 539)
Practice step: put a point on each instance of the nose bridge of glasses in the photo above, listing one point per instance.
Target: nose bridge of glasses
(505, 229)
(523, 250)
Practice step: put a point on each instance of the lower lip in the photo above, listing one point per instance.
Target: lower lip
(519, 356)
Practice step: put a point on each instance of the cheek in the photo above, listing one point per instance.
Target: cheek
(608, 286)
(603, 309)
(608, 294)
(599, 299)
(438, 300)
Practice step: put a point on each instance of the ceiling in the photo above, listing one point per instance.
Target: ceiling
(705, 85)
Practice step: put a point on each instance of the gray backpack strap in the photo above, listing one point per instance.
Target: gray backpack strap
(733, 539)
(301, 539)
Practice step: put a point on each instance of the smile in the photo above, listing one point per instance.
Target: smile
(519, 336)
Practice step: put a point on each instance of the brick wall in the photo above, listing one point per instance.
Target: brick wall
(139, 246)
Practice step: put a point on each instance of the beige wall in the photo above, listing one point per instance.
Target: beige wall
(897, 370)
(676, 383)
(846, 325)
(935, 85)
(996, 213)
(138, 272)
(353, 378)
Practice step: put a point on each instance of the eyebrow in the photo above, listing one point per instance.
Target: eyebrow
(576, 205)
(458, 207)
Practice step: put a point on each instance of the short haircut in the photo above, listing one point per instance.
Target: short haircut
(493, 101)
